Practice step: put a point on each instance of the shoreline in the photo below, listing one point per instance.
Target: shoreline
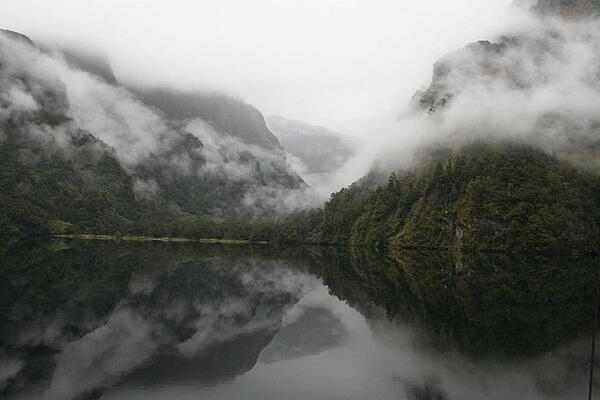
(390, 249)
(165, 239)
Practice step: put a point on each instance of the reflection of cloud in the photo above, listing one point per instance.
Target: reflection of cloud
(217, 304)
(384, 361)
(312, 332)
(8, 369)
(195, 328)
(141, 284)
(103, 356)
(421, 367)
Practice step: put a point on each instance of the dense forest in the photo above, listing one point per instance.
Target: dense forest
(479, 197)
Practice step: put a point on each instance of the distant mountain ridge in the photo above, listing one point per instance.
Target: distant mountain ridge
(319, 149)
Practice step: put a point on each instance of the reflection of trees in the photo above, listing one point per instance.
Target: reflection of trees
(484, 303)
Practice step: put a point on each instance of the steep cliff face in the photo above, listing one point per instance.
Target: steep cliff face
(456, 71)
(227, 115)
(95, 64)
(537, 86)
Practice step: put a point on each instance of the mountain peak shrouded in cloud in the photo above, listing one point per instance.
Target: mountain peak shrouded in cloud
(319, 149)
(537, 85)
(93, 62)
(224, 113)
(305, 60)
(16, 36)
(108, 150)
(325, 159)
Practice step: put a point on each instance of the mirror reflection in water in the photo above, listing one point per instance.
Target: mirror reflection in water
(118, 320)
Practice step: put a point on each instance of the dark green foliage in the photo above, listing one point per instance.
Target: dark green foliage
(481, 303)
(480, 197)
(46, 189)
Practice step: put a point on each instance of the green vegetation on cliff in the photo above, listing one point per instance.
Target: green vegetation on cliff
(479, 197)
(45, 189)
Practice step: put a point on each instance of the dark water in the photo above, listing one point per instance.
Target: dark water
(102, 320)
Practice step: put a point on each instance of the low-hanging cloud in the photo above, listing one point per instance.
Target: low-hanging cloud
(43, 82)
(538, 85)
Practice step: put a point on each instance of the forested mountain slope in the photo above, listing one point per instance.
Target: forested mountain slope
(79, 153)
(498, 197)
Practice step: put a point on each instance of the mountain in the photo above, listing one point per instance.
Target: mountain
(225, 114)
(501, 197)
(508, 158)
(89, 61)
(46, 187)
(81, 153)
(319, 149)
(17, 36)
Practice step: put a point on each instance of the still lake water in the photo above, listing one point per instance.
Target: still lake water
(105, 320)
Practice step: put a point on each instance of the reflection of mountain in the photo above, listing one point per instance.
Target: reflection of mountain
(481, 304)
(81, 319)
(78, 318)
(218, 362)
(315, 331)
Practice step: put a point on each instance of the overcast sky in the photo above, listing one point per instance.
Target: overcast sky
(327, 62)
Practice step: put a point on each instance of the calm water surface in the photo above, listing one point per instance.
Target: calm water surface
(103, 320)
